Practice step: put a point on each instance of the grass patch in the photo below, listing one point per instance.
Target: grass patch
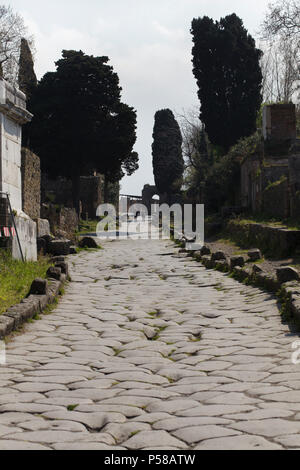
(82, 249)
(72, 407)
(87, 226)
(290, 223)
(16, 278)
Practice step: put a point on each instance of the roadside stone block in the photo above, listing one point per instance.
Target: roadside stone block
(286, 274)
(255, 254)
(197, 255)
(218, 255)
(256, 269)
(236, 261)
(43, 227)
(39, 287)
(59, 247)
(205, 250)
(88, 242)
(6, 325)
(63, 266)
(54, 273)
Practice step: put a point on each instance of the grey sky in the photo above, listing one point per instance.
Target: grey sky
(148, 43)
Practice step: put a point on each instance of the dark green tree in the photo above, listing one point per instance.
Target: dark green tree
(27, 77)
(27, 81)
(80, 124)
(226, 67)
(168, 165)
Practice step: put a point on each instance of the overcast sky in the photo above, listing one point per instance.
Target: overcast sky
(148, 43)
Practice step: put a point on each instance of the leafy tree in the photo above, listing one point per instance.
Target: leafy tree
(280, 31)
(12, 30)
(226, 67)
(168, 165)
(80, 124)
(283, 19)
(197, 154)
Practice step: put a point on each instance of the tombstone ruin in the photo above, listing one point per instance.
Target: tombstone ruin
(13, 114)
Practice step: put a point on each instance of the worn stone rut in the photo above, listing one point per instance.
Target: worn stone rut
(149, 350)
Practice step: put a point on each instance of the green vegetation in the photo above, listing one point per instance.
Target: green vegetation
(16, 278)
(72, 407)
(276, 183)
(290, 224)
(87, 226)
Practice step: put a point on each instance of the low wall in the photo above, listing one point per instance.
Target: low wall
(279, 241)
(27, 234)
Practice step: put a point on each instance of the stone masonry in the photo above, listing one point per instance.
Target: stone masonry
(31, 183)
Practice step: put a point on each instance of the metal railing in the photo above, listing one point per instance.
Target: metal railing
(13, 221)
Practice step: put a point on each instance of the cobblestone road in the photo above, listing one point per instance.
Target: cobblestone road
(149, 350)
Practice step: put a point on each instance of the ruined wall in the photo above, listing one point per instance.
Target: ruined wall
(275, 198)
(31, 183)
(91, 195)
(57, 191)
(256, 176)
(279, 122)
(63, 220)
(251, 183)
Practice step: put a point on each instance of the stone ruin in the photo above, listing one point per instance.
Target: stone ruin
(270, 179)
(13, 114)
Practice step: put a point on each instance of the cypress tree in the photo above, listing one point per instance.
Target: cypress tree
(27, 78)
(226, 67)
(168, 164)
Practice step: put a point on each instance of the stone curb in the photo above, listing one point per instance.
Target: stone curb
(288, 293)
(18, 314)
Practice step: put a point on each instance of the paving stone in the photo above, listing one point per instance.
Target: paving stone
(237, 443)
(48, 437)
(38, 387)
(122, 432)
(171, 406)
(291, 441)
(172, 424)
(194, 434)
(16, 445)
(94, 420)
(153, 438)
(86, 446)
(268, 427)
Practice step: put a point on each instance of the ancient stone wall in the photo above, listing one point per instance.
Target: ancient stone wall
(63, 220)
(279, 122)
(276, 199)
(57, 191)
(91, 195)
(31, 183)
